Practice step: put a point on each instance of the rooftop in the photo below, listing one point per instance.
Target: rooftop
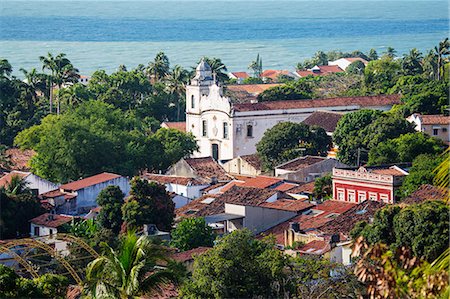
(18, 159)
(51, 220)
(301, 162)
(207, 168)
(291, 205)
(326, 120)
(254, 89)
(180, 125)
(303, 188)
(317, 247)
(242, 75)
(90, 181)
(426, 192)
(6, 179)
(435, 119)
(286, 186)
(261, 182)
(188, 255)
(171, 179)
(253, 160)
(320, 70)
(363, 101)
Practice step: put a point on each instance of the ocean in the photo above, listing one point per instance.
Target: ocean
(105, 34)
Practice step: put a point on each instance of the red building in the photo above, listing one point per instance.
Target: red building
(376, 183)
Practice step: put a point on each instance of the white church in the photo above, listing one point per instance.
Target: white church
(225, 129)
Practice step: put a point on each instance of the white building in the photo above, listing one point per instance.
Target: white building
(32, 181)
(225, 130)
(343, 63)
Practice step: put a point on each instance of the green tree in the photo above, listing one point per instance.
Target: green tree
(239, 266)
(288, 140)
(373, 55)
(176, 85)
(129, 272)
(159, 68)
(411, 63)
(148, 203)
(442, 51)
(256, 67)
(381, 74)
(420, 173)
(110, 200)
(176, 145)
(405, 148)
(323, 187)
(192, 233)
(297, 90)
(62, 71)
(390, 52)
(356, 67)
(217, 67)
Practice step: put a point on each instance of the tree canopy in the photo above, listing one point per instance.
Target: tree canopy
(110, 200)
(288, 140)
(192, 233)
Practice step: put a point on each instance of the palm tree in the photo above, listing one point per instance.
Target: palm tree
(159, 68)
(129, 272)
(256, 67)
(430, 64)
(390, 52)
(5, 68)
(411, 63)
(176, 85)
(62, 71)
(442, 50)
(34, 82)
(17, 185)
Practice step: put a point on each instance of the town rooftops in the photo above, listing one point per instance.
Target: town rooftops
(90, 181)
(301, 162)
(253, 160)
(6, 179)
(363, 101)
(177, 125)
(426, 192)
(51, 220)
(326, 120)
(171, 179)
(208, 168)
(436, 119)
(18, 159)
(261, 182)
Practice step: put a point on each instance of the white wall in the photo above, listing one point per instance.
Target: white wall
(42, 185)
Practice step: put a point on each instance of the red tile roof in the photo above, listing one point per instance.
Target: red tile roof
(353, 59)
(51, 220)
(435, 119)
(253, 160)
(261, 182)
(388, 171)
(90, 181)
(291, 205)
(303, 188)
(171, 179)
(188, 255)
(251, 88)
(274, 74)
(324, 70)
(286, 186)
(52, 194)
(18, 159)
(301, 162)
(363, 101)
(180, 126)
(326, 120)
(230, 185)
(316, 247)
(426, 192)
(207, 168)
(242, 75)
(6, 179)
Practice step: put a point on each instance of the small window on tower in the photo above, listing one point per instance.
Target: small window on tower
(249, 131)
(204, 128)
(192, 102)
(225, 130)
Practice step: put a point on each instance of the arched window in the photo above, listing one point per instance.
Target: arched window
(192, 102)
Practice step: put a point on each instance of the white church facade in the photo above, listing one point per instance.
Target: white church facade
(225, 130)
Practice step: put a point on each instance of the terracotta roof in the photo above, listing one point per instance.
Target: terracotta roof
(52, 194)
(291, 205)
(317, 247)
(18, 159)
(426, 192)
(90, 181)
(303, 188)
(286, 186)
(242, 75)
(207, 168)
(51, 220)
(435, 120)
(253, 160)
(213, 187)
(171, 179)
(363, 101)
(345, 222)
(6, 179)
(261, 182)
(353, 59)
(230, 185)
(254, 89)
(200, 208)
(301, 162)
(388, 171)
(324, 70)
(325, 119)
(273, 74)
(188, 255)
(180, 126)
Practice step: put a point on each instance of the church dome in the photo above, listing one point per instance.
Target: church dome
(203, 66)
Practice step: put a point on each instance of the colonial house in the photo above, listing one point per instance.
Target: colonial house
(47, 224)
(79, 197)
(204, 169)
(33, 182)
(225, 129)
(307, 168)
(319, 70)
(434, 125)
(246, 165)
(343, 63)
(377, 183)
(239, 76)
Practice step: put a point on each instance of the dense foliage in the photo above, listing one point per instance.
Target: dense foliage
(287, 140)
(323, 187)
(148, 203)
(421, 227)
(110, 200)
(192, 233)
(295, 90)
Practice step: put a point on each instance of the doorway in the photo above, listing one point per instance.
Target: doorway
(215, 151)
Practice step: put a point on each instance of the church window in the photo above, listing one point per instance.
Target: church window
(192, 102)
(225, 130)
(204, 128)
(249, 131)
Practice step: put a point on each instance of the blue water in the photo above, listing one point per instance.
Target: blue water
(105, 34)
